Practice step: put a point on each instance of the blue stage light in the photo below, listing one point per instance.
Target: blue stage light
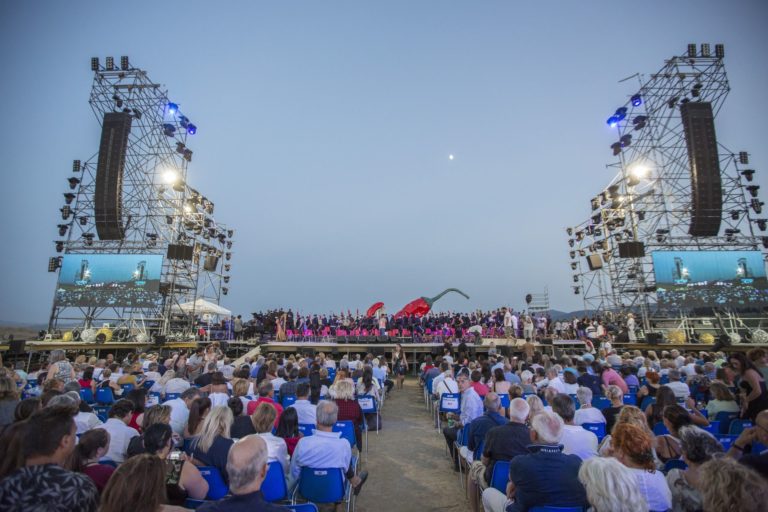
(621, 113)
(637, 100)
(172, 108)
(191, 129)
(613, 121)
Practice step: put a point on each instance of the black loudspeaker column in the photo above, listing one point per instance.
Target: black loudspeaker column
(653, 338)
(594, 261)
(211, 263)
(108, 198)
(631, 250)
(180, 252)
(706, 186)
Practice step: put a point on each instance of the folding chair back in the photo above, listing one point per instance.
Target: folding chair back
(274, 487)
(500, 475)
(104, 396)
(674, 464)
(450, 402)
(303, 507)
(217, 489)
(306, 429)
(347, 429)
(725, 419)
(288, 400)
(600, 402)
(321, 485)
(86, 395)
(596, 428)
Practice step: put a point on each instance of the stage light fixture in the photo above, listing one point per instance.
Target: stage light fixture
(69, 197)
(227, 266)
(743, 158)
(757, 206)
(76, 165)
(765, 242)
(62, 229)
(749, 174)
(224, 290)
(229, 244)
(616, 147)
(692, 50)
(753, 190)
(187, 155)
(576, 290)
(191, 129)
(582, 252)
(172, 108)
(180, 148)
(612, 121)
(54, 263)
(59, 246)
(719, 51)
(574, 265)
(228, 256)
(230, 233)
(673, 101)
(626, 141)
(171, 176)
(169, 130)
(637, 100)
(83, 220)
(696, 90)
(94, 63)
(620, 113)
(66, 211)
(705, 50)
(575, 279)
(735, 214)
(572, 254)
(569, 231)
(639, 122)
(110, 65)
(118, 101)
(124, 63)
(571, 242)
(88, 237)
(761, 223)
(73, 182)
(226, 279)
(183, 121)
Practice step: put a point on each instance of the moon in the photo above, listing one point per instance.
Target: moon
(450, 157)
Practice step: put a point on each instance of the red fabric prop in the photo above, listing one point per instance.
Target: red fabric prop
(423, 305)
(374, 309)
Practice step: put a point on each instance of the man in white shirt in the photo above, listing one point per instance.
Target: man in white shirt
(306, 411)
(681, 389)
(120, 434)
(690, 367)
(152, 373)
(586, 413)
(446, 384)
(180, 409)
(555, 382)
(507, 323)
(575, 440)
(325, 449)
(176, 385)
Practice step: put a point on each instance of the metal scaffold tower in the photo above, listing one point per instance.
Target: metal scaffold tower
(651, 203)
(159, 213)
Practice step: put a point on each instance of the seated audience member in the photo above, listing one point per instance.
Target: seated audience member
(198, 411)
(176, 384)
(91, 447)
(629, 414)
(180, 408)
(182, 479)
(120, 434)
(247, 469)
(633, 447)
(139, 399)
(676, 417)
(590, 380)
(471, 408)
(651, 386)
(138, 484)
(727, 485)
(679, 388)
(482, 424)
(349, 409)
(501, 443)
(42, 483)
(586, 412)
(722, 400)
(204, 379)
(543, 477)
(575, 440)
(325, 449)
(266, 395)
(288, 429)
(242, 425)
(698, 447)
(240, 391)
(302, 405)
(211, 446)
(218, 392)
(616, 396)
(9, 398)
(480, 388)
(611, 486)
(155, 414)
(749, 438)
(26, 408)
(263, 421)
(611, 377)
(536, 406)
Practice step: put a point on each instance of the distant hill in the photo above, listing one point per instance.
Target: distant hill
(563, 315)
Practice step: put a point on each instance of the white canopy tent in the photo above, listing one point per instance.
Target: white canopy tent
(205, 309)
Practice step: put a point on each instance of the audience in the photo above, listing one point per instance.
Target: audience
(302, 405)
(633, 447)
(241, 425)
(211, 446)
(120, 434)
(263, 420)
(349, 409)
(616, 396)
(288, 429)
(729, 486)
(575, 440)
(611, 486)
(9, 399)
(471, 407)
(586, 412)
(698, 446)
(182, 479)
(748, 439)
(92, 447)
(138, 484)
(198, 410)
(180, 409)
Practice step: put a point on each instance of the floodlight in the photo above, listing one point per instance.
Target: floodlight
(719, 51)
(224, 290)
(171, 176)
(639, 122)
(743, 157)
(66, 211)
(757, 205)
(569, 231)
(172, 108)
(83, 220)
(76, 166)
(191, 129)
(59, 245)
(110, 63)
(124, 63)
(749, 174)
(574, 265)
(69, 197)
(692, 50)
(753, 190)
(761, 223)
(73, 182)
(94, 63)
(637, 100)
(62, 229)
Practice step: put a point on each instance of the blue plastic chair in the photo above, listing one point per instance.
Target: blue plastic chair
(633, 389)
(323, 485)
(600, 402)
(758, 448)
(217, 489)
(102, 411)
(274, 487)
(127, 388)
(105, 396)
(505, 401)
(147, 384)
(303, 507)
(674, 464)
(172, 396)
(306, 429)
(192, 503)
(86, 395)
(630, 399)
(288, 400)
(347, 429)
(596, 428)
(738, 426)
(660, 429)
(108, 462)
(725, 419)
(648, 400)
(500, 475)
(713, 427)
(726, 440)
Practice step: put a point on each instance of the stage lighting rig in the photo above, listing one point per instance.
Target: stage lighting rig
(124, 65)
(753, 190)
(76, 166)
(66, 211)
(94, 63)
(743, 158)
(692, 50)
(73, 183)
(705, 50)
(59, 245)
(749, 174)
(110, 65)
(69, 197)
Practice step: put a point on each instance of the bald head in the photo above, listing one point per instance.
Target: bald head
(247, 464)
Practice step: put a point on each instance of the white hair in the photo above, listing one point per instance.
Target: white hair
(548, 427)
(611, 486)
(526, 376)
(519, 409)
(584, 394)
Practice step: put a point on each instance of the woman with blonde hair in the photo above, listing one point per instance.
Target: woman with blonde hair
(349, 409)
(263, 419)
(240, 391)
(631, 415)
(722, 400)
(159, 385)
(211, 446)
(9, 399)
(728, 485)
(610, 486)
(138, 484)
(536, 405)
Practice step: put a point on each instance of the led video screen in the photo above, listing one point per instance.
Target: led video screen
(689, 279)
(109, 280)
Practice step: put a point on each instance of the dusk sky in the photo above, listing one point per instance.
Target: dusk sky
(325, 129)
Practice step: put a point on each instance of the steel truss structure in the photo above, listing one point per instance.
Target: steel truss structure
(650, 198)
(159, 208)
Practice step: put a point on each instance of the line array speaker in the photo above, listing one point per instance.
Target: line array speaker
(706, 187)
(108, 198)
(211, 263)
(631, 250)
(180, 252)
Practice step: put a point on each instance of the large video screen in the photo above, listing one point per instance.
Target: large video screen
(688, 279)
(109, 280)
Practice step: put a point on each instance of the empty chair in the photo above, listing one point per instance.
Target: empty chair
(104, 396)
(725, 418)
(601, 402)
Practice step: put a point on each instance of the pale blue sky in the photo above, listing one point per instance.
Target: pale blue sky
(325, 129)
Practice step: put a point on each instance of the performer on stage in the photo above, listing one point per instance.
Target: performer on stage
(280, 325)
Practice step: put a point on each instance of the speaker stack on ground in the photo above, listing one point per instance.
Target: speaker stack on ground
(108, 197)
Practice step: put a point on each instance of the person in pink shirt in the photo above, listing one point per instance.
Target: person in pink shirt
(611, 377)
(480, 388)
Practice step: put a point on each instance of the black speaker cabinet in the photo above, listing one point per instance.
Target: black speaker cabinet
(653, 338)
(108, 194)
(631, 250)
(17, 347)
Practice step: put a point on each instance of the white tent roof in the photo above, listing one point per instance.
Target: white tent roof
(202, 307)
